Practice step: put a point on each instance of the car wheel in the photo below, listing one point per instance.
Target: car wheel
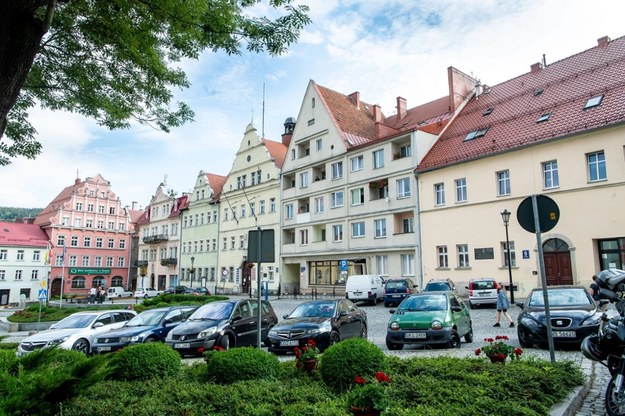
(81, 345)
(145, 297)
(150, 339)
(392, 346)
(471, 305)
(224, 342)
(334, 337)
(363, 331)
(468, 337)
(454, 340)
(523, 340)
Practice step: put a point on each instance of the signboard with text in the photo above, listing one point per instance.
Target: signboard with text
(89, 270)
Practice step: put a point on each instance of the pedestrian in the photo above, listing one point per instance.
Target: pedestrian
(93, 292)
(503, 304)
(101, 294)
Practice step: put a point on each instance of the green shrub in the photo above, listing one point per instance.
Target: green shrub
(238, 364)
(9, 346)
(145, 361)
(8, 360)
(350, 358)
(52, 358)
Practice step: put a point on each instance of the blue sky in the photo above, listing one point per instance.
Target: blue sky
(383, 49)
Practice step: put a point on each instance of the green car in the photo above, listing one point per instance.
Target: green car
(429, 318)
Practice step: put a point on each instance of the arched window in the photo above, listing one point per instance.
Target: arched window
(78, 282)
(555, 245)
(117, 281)
(98, 281)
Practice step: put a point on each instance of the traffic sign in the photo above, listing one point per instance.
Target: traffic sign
(343, 265)
(548, 213)
(43, 294)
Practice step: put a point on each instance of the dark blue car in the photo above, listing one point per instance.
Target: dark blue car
(151, 325)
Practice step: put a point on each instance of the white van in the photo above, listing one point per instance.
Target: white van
(118, 292)
(365, 287)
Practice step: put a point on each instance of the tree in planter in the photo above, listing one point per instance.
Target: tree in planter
(112, 60)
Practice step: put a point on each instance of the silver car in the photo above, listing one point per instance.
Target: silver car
(77, 331)
(482, 292)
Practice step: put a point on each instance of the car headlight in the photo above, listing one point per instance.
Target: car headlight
(437, 325)
(207, 332)
(394, 325)
(273, 333)
(58, 340)
(592, 320)
(530, 322)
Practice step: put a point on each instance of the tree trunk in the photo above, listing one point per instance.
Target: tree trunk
(20, 36)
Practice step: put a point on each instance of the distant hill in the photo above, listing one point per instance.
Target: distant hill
(10, 214)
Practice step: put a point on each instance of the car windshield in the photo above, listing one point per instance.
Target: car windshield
(307, 310)
(147, 318)
(395, 285)
(75, 321)
(424, 303)
(214, 311)
(561, 297)
(436, 286)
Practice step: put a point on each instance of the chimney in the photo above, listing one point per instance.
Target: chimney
(377, 113)
(355, 97)
(134, 205)
(601, 42)
(401, 107)
(478, 88)
(535, 67)
(289, 126)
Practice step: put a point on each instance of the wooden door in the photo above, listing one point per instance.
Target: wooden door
(557, 263)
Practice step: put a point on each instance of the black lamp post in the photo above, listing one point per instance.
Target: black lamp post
(505, 215)
(192, 270)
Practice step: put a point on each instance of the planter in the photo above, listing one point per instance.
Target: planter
(367, 411)
(497, 359)
(309, 365)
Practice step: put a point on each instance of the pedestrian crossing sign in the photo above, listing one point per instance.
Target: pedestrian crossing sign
(43, 294)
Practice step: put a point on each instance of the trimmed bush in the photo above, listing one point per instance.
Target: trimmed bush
(239, 364)
(9, 346)
(8, 360)
(350, 358)
(52, 358)
(145, 361)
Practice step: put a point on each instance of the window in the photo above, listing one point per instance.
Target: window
(99, 241)
(20, 255)
(101, 210)
(60, 241)
(405, 151)
(357, 163)
(36, 255)
(358, 196)
(85, 261)
(550, 175)
(403, 188)
(111, 243)
(593, 102)
(18, 275)
(543, 117)
(78, 206)
(443, 258)
(100, 224)
(337, 232)
(112, 210)
(89, 223)
(336, 199)
(461, 190)
(408, 225)
(303, 180)
(358, 229)
(503, 183)
(78, 222)
(303, 237)
(73, 261)
(319, 144)
(3, 274)
(407, 264)
(380, 228)
(439, 192)
(378, 159)
(319, 206)
(475, 134)
(463, 255)
(288, 212)
(74, 241)
(3, 254)
(34, 275)
(272, 205)
(596, 167)
(337, 170)
(504, 251)
(243, 213)
(381, 264)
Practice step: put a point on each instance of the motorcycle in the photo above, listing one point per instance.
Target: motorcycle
(608, 345)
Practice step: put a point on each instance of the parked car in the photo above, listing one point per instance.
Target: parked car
(151, 325)
(147, 292)
(118, 292)
(225, 324)
(202, 291)
(365, 287)
(396, 290)
(76, 331)
(482, 292)
(439, 285)
(574, 315)
(324, 321)
(177, 290)
(429, 318)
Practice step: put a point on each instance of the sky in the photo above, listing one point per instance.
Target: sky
(382, 49)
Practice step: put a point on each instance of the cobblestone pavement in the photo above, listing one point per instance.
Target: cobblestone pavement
(593, 403)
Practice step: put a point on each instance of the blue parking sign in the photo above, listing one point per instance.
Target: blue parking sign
(343, 264)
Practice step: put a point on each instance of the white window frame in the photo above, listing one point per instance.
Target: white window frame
(439, 194)
(379, 226)
(503, 183)
(358, 229)
(443, 257)
(337, 170)
(357, 163)
(337, 232)
(551, 177)
(337, 199)
(597, 169)
(403, 188)
(378, 159)
(461, 190)
(463, 256)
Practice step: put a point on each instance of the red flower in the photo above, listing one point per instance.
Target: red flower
(478, 351)
(359, 380)
(382, 378)
(218, 348)
(518, 351)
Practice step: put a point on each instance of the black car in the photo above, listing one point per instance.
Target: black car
(324, 321)
(396, 290)
(224, 324)
(574, 315)
(440, 285)
(176, 290)
(151, 325)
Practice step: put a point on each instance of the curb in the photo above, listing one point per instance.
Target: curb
(573, 402)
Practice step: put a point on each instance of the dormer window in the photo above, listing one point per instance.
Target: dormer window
(593, 102)
(543, 117)
(538, 92)
(475, 134)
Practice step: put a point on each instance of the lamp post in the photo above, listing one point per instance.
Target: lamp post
(505, 215)
(192, 270)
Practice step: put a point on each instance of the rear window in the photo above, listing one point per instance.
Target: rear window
(396, 285)
(435, 287)
(484, 285)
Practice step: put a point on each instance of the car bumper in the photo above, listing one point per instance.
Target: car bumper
(109, 347)
(193, 347)
(395, 297)
(286, 345)
(562, 337)
(421, 336)
(483, 301)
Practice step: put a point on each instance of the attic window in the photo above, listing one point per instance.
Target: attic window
(543, 117)
(487, 90)
(593, 102)
(475, 134)
(488, 111)
(538, 92)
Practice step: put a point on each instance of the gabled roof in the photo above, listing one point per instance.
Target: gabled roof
(22, 235)
(277, 151)
(216, 183)
(180, 204)
(544, 104)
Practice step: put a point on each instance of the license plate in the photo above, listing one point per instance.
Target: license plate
(564, 334)
(357, 293)
(182, 345)
(397, 296)
(292, 343)
(100, 349)
(419, 335)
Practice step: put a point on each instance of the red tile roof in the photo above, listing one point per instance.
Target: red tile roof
(22, 235)
(181, 203)
(216, 183)
(561, 88)
(277, 151)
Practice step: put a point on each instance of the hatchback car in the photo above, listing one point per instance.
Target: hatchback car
(396, 290)
(324, 321)
(224, 324)
(429, 318)
(151, 325)
(574, 315)
(439, 285)
(77, 331)
(482, 292)
(147, 292)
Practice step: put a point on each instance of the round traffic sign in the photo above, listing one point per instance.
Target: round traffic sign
(548, 213)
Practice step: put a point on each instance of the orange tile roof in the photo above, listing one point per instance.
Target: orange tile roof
(22, 235)
(561, 88)
(216, 183)
(277, 151)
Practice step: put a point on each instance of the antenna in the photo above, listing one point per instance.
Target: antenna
(263, 121)
(250, 204)
(234, 215)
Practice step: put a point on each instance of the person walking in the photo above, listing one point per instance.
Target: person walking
(503, 304)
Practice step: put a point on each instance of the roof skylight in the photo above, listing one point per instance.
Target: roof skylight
(538, 92)
(543, 117)
(488, 111)
(475, 134)
(593, 102)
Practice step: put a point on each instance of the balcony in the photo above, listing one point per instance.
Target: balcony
(141, 263)
(169, 262)
(155, 239)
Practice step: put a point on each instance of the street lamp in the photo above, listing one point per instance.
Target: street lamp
(505, 215)
(192, 270)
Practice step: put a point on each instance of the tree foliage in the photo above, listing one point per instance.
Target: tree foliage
(115, 60)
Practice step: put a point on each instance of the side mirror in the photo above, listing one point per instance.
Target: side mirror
(237, 318)
(391, 311)
(286, 315)
(98, 325)
(456, 308)
(520, 305)
(343, 313)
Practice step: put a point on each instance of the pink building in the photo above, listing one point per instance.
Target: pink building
(91, 234)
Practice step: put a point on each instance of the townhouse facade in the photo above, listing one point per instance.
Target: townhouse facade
(555, 131)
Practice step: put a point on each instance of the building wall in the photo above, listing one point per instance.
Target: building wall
(22, 276)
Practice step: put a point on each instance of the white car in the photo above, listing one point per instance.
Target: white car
(76, 331)
(148, 292)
